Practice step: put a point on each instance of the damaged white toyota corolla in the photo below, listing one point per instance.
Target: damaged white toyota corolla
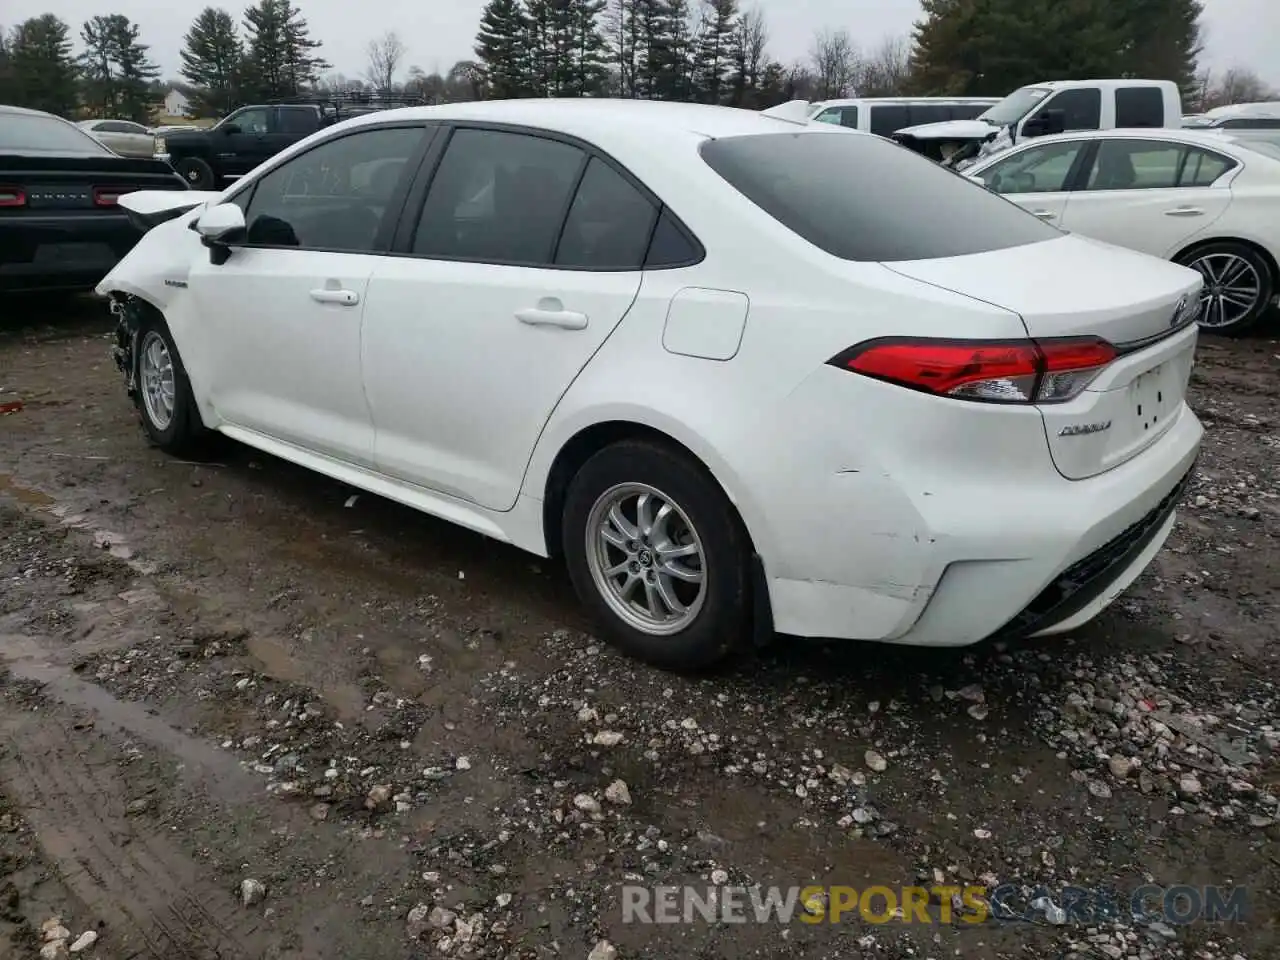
(745, 375)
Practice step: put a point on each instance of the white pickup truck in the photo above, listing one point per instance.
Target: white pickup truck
(1045, 108)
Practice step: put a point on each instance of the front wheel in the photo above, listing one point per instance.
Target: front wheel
(163, 395)
(197, 173)
(658, 554)
(1238, 286)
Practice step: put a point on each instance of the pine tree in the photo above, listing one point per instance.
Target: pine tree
(135, 69)
(211, 60)
(500, 49)
(715, 55)
(1164, 39)
(42, 69)
(97, 66)
(279, 61)
(590, 67)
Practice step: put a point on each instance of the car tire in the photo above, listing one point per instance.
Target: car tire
(1232, 261)
(699, 533)
(163, 395)
(197, 173)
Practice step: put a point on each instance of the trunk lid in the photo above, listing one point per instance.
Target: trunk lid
(52, 185)
(1071, 286)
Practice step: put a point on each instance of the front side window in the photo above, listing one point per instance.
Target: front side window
(254, 120)
(1081, 108)
(1135, 165)
(915, 209)
(332, 197)
(1041, 169)
(1139, 107)
(498, 197)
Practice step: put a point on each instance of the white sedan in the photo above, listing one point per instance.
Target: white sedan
(672, 344)
(124, 137)
(1198, 198)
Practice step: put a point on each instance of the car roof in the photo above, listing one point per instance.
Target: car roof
(647, 124)
(894, 101)
(7, 110)
(1179, 134)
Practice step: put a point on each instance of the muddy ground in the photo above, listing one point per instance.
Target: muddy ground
(230, 682)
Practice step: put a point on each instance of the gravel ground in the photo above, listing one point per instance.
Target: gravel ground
(246, 715)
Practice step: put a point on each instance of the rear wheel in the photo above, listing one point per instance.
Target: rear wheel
(197, 173)
(1238, 286)
(163, 396)
(658, 554)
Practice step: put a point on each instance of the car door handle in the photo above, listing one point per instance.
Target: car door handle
(541, 317)
(1044, 214)
(346, 298)
(1184, 212)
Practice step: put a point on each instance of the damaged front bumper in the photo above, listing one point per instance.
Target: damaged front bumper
(125, 349)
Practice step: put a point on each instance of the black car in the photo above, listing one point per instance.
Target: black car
(250, 135)
(61, 227)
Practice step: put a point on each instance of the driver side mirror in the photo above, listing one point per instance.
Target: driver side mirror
(1045, 123)
(219, 227)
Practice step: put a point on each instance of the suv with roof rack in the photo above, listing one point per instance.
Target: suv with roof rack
(250, 135)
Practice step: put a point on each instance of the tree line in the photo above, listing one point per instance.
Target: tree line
(710, 51)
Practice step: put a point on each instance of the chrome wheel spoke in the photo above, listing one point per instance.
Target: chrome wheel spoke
(646, 559)
(158, 380)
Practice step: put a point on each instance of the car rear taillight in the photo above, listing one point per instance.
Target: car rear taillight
(12, 197)
(994, 371)
(108, 196)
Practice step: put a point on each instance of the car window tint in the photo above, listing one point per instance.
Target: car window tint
(254, 120)
(499, 197)
(1134, 165)
(1081, 108)
(609, 222)
(921, 113)
(915, 210)
(886, 118)
(670, 246)
(1252, 123)
(849, 117)
(334, 196)
(110, 126)
(1203, 167)
(298, 120)
(1139, 107)
(1039, 169)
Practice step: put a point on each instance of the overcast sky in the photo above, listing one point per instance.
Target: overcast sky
(439, 32)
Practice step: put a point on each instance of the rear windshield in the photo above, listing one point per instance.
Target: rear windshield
(25, 133)
(859, 197)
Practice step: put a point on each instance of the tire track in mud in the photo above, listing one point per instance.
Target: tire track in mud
(145, 890)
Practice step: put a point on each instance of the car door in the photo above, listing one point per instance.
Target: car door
(1150, 195)
(510, 281)
(240, 142)
(1038, 177)
(279, 329)
(108, 133)
(135, 141)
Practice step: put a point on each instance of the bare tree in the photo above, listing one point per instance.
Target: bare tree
(886, 71)
(385, 55)
(834, 61)
(752, 40)
(1237, 85)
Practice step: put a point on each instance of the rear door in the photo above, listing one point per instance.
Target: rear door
(1149, 195)
(1039, 178)
(518, 261)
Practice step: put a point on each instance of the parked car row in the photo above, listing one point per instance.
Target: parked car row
(914, 413)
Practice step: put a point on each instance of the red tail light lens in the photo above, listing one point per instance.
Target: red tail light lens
(12, 197)
(108, 196)
(993, 371)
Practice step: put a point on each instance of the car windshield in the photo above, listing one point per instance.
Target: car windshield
(1015, 106)
(32, 133)
(902, 206)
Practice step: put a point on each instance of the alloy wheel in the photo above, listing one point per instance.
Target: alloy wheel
(1232, 287)
(156, 373)
(646, 559)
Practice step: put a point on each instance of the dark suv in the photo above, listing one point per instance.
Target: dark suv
(247, 136)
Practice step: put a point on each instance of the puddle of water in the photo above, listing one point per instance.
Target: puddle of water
(32, 498)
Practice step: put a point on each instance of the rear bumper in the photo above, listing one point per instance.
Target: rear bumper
(1006, 560)
(69, 251)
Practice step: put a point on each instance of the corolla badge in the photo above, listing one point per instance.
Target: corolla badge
(1084, 429)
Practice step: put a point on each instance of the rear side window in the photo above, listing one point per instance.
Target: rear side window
(498, 197)
(33, 133)
(1202, 167)
(920, 113)
(1081, 108)
(1252, 123)
(902, 207)
(298, 120)
(1139, 107)
(968, 111)
(886, 118)
(609, 224)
